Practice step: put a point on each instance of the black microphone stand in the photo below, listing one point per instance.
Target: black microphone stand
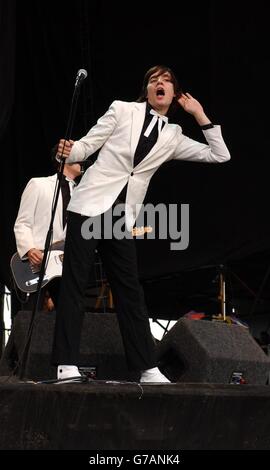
(49, 236)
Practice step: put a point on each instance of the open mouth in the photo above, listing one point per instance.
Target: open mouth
(160, 92)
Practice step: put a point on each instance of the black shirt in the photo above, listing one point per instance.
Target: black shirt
(144, 146)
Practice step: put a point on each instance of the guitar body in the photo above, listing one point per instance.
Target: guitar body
(26, 277)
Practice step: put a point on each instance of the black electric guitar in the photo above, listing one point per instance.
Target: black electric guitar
(26, 276)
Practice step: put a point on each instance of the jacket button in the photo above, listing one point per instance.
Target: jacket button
(131, 174)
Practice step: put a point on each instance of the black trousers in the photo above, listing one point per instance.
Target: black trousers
(120, 262)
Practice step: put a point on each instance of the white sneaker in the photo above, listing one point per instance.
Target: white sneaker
(153, 376)
(68, 372)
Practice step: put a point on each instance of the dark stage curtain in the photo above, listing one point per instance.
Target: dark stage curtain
(7, 61)
(221, 57)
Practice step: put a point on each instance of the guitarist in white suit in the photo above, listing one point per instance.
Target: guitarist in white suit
(34, 215)
(135, 138)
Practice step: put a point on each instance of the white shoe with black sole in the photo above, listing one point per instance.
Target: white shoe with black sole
(153, 376)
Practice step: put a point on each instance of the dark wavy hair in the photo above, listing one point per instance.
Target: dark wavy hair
(160, 70)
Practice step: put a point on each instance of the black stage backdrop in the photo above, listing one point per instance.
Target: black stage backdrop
(219, 52)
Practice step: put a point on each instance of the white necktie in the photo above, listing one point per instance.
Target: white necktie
(156, 117)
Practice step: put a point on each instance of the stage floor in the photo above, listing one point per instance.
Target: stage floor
(129, 416)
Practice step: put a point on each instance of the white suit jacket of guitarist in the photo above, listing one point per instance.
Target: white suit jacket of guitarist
(118, 132)
(34, 215)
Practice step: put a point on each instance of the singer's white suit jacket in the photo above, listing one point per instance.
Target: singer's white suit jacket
(34, 215)
(118, 132)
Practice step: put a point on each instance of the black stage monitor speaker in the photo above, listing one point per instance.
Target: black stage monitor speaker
(101, 350)
(212, 352)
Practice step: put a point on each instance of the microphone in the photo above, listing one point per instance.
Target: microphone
(81, 75)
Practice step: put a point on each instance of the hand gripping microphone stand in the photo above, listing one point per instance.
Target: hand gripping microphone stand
(81, 75)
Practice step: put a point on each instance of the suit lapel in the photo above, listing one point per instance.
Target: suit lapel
(138, 116)
(165, 135)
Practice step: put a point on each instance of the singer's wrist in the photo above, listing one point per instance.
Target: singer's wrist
(207, 126)
(202, 119)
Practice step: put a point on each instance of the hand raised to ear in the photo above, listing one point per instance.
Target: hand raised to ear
(193, 107)
(190, 104)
